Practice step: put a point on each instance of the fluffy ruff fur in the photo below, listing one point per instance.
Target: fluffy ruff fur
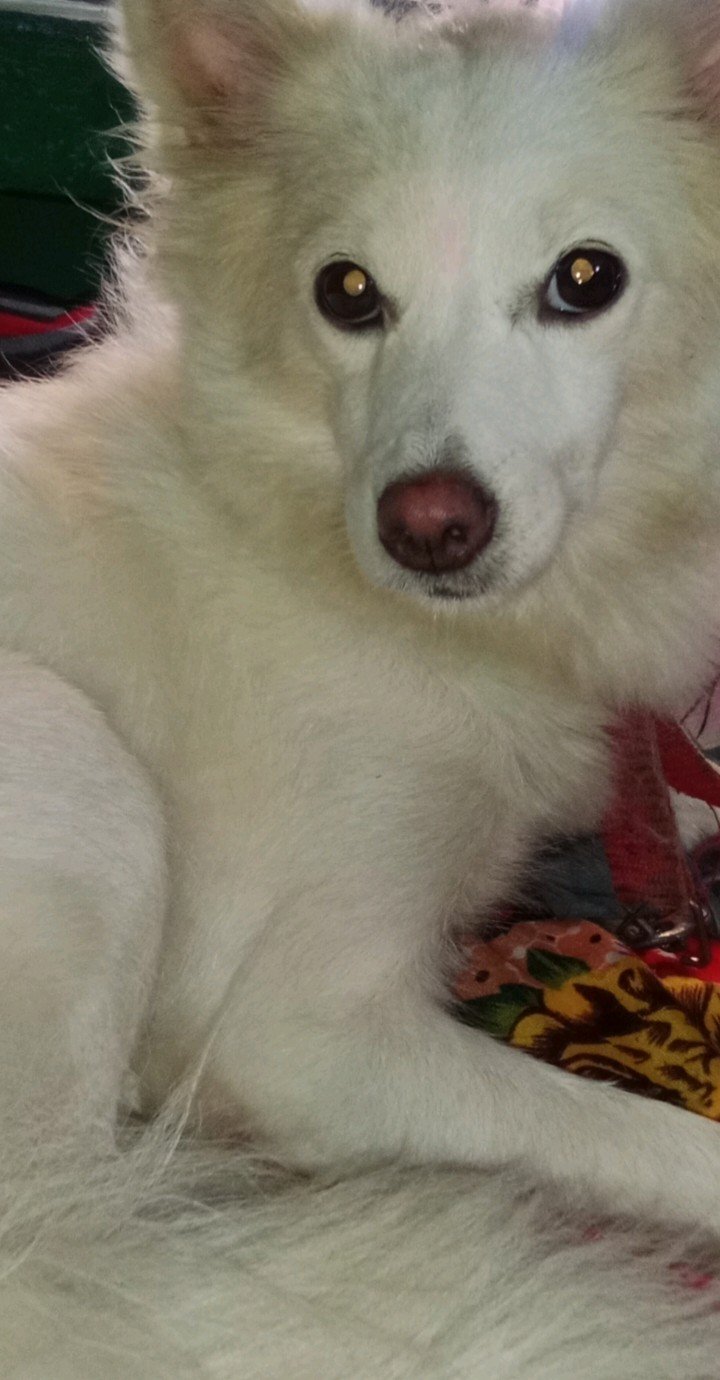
(256, 773)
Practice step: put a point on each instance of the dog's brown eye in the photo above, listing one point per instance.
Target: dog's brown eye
(583, 282)
(347, 296)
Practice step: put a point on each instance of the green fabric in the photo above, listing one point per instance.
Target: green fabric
(59, 107)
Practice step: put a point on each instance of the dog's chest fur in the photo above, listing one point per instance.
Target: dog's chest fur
(350, 802)
(332, 764)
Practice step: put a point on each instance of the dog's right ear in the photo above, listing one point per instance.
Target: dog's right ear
(209, 66)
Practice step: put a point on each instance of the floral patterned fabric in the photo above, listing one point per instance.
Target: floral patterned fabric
(610, 985)
(570, 993)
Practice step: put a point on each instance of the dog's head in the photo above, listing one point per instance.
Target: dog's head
(456, 261)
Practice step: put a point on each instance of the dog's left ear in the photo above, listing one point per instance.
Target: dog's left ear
(688, 29)
(699, 26)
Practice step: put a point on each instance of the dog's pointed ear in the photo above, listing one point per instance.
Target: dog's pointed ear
(700, 32)
(693, 27)
(689, 30)
(210, 65)
(215, 59)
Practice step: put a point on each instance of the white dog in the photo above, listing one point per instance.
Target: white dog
(319, 582)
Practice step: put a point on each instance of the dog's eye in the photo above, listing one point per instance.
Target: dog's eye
(583, 282)
(347, 296)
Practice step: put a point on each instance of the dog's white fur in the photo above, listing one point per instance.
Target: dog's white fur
(234, 854)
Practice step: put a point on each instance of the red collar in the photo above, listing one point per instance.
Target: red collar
(652, 873)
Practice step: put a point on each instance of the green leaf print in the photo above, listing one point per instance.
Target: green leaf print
(551, 969)
(498, 1014)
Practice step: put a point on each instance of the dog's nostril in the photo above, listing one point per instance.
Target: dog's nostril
(436, 523)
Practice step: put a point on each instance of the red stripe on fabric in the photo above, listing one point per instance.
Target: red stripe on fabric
(13, 325)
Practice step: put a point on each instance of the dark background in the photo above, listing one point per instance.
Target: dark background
(58, 108)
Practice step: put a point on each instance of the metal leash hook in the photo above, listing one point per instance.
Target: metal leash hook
(643, 928)
(703, 919)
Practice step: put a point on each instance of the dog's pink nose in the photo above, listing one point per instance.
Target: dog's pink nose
(436, 523)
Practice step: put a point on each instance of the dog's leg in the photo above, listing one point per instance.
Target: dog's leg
(395, 1075)
(81, 901)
